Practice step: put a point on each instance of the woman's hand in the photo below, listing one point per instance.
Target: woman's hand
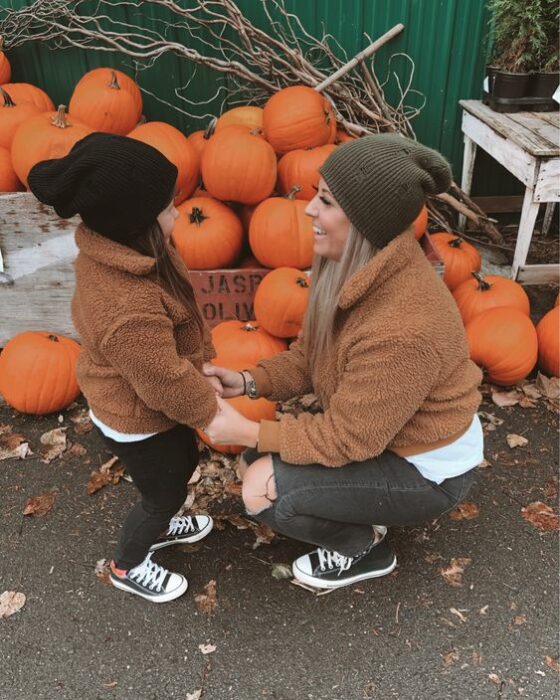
(229, 427)
(231, 381)
(214, 381)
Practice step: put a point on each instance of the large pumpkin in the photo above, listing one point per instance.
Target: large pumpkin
(38, 372)
(26, 92)
(8, 179)
(5, 68)
(44, 136)
(280, 301)
(503, 340)
(176, 148)
(460, 258)
(241, 344)
(238, 165)
(247, 115)
(300, 168)
(548, 334)
(12, 114)
(281, 234)
(420, 223)
(253, 409)
(298, 117)
(207, 234)
(475, 295)
(107, 100)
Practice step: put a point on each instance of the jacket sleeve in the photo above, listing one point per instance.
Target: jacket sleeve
(285, 375)
(381, 389)
(209, 349)
(142, 348)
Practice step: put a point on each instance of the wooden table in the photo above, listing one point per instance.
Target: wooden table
(527, 145)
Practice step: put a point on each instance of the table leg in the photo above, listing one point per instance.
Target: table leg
(548, 217)
(529, 213)
(469, 155)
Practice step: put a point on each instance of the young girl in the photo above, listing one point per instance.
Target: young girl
(144, 342)
(384, 349)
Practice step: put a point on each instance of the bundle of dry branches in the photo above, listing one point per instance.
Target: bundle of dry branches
(257, 62)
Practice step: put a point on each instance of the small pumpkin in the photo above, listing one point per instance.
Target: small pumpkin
(175, 147)
(280, 301)
(420, 223)
(460, 258)
(548, 334)
(475, 295)
(300, 168)
(26, 92)
(281, 233)
(5, 68)
(343, 137)
(247, 115)
(44, 136)
(8, 179)
(107, 100)
(298, 117)
(38, 372)
(12, 114)
(241, 344)
(207, 234)
(503, 340)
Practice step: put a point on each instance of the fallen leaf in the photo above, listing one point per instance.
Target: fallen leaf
(540, 515)
(196, 695)
(195, 476)
(450, 658)
(54, 442)
(465, 511)
(233, 488)
(281, 571)
(484, 464)
(458, 613)
(207, 648)
(531, 391)
(97, 481)
(506, 398)
(484, 610)
(520, 619)
(206, 602)
(102, 571)
(13, 445)
(550, 661)
(110, 684)
(38, 506)
(111, 472)
(490, 418)
(494, 678)
(453, 573)
(11, 602)
(265, 535)
(75, 450)
(514, 440)
(548, 386)
(82, 421)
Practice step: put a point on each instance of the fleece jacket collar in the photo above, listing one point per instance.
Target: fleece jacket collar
(387, 262)
(107, 252)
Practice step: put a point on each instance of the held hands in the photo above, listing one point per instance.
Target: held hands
(231, 382)
(214, 381)
(229, 427)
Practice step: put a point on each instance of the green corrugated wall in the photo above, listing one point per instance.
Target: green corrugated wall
(444, 38)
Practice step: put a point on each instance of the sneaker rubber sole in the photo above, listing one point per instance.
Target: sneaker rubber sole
(157, 598)
(187, 539)
(347, 581)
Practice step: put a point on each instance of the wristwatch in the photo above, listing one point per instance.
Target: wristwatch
(250, 384)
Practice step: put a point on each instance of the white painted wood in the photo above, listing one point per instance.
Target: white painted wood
(529, 212)
(469, 156)
(538, 127)
(548, 217)
(547, 187)
(539, 274)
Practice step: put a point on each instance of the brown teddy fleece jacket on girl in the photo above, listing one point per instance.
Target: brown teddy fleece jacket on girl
(140, 367)
(398, 376)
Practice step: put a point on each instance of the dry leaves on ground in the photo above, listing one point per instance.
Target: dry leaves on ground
(109, 473)
(541, 516)
(11, 602)
(38, 506)
(195, 696)
(12, 445)
(82, 422)
(514, 440)
(450, 658)
(489, 421)
(206, 602)
(465, 511)
(552, 662)
(207, 648)
(103, 571)
(453, 574)
(53, 444)
(281, 571)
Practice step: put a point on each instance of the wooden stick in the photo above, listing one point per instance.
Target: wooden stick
(359, 57)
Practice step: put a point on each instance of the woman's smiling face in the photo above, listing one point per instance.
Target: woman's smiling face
(331, 226)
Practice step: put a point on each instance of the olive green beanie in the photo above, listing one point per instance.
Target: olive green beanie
(381, 182)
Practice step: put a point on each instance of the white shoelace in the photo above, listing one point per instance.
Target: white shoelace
(333, 560)
(180, 525)
(149, 574)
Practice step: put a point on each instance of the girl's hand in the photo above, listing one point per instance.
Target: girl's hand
(214, 381)
(231, 381)
(229, 427)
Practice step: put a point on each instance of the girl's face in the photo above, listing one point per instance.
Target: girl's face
(167, 218)
(331, 226)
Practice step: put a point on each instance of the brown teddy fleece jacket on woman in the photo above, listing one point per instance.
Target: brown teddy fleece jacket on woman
(398, 376)
(140, 367)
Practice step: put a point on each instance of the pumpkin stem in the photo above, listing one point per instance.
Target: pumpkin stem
(292, 193)
(456, 242)
(197, 216)
(302, 282)
(483, 285)
(59, 120)
(114, 82)
(257, 131)
(249, 326)
(54, 338)
(211, 128)
(8, 102)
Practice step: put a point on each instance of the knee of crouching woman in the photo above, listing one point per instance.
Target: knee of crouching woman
(258, 489)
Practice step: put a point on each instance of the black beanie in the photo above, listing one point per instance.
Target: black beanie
(381, 182)
(116, 184)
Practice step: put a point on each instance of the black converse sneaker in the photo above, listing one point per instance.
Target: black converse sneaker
(150, 581)
(325, 569)
(184, 530)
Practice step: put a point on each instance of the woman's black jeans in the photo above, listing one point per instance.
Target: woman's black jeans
(335, 507)
(160, 467)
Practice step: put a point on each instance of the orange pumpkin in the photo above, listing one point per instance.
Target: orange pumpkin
(38, 372)
(247, 115)
(300, 168)
(281, 234)
(238, 165)
(107, 100)
(503, 340)
(460, 258)
(280, 301)
(8, 178)
(241, 344)
(343, 137)
(548, 334)
(197, 141)
(298, 117)
(13, 114)
(176, 148)
(475, 295)
(253, 409)
(207, 234)
(44, 136)
(421, 223)
(26, 92)
(5, 68)
(557, 300)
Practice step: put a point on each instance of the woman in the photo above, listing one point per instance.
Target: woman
(384, 350)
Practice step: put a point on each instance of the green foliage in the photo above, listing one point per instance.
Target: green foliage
(525, 34)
